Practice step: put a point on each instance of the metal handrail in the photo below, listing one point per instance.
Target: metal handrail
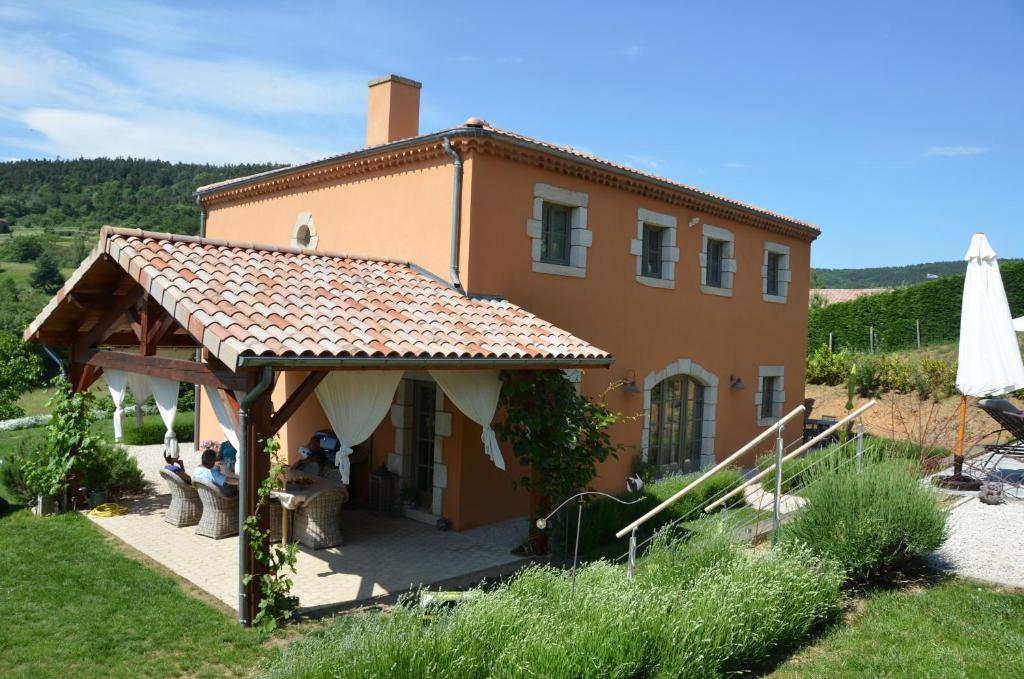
(714, 470)
(807, 446)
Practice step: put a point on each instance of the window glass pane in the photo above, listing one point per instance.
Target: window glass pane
(652, 251)
(767, 397)
(676, 417)
(774, 260)
(555, 228)
(714, 266)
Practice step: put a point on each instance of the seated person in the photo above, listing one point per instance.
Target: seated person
(227, 454)
(176, 466)
(206, 472)
(314, 459)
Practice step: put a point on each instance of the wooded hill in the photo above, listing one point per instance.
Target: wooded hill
(85, 194)
(885, 276)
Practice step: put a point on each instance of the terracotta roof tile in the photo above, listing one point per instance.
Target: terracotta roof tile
(245, 300)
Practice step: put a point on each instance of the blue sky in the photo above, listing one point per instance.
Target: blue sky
(898, 127)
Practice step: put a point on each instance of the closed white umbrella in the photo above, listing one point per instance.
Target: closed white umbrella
(990, 361)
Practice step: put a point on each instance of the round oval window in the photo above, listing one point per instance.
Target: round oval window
(302, 236)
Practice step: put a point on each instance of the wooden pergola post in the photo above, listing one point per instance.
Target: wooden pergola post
(257, 430)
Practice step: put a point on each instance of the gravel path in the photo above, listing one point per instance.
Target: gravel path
(986, 542)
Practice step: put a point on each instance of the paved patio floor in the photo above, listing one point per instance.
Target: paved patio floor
(380, 555)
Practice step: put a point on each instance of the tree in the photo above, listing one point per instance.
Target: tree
(46, 275)
(4, 226)
(20, 370)
(559, 434)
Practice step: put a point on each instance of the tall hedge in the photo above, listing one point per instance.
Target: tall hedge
(892, 314)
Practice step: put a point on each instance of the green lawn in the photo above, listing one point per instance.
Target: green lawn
(954, 628)
(71, 605)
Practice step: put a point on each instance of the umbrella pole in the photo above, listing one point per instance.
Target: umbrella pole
(958, 458)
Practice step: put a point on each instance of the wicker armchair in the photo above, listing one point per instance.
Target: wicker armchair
(318, 521)
(220, 512)
(276, 518)
(185, 508)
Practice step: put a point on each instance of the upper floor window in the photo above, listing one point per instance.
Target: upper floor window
(775, 273)
(714, 267)
(655, 249)
(652, 251)
(772, 275)
(556, 226)
(558, 231)
(676, 421)
(717, 261)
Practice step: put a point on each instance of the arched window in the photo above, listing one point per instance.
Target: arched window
(676, 422)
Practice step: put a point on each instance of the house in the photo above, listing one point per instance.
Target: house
(701, 299)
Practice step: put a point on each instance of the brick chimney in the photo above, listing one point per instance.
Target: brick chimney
(394, 110)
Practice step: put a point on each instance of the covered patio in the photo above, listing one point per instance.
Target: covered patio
(253, 313)
(381, 557)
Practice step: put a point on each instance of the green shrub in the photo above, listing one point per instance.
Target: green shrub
(894, 373)
(723, 616)
(13, 481)
(935, 303)
(868, 379)
(934, 378)
(112, 469)
(151, 433)
(870, 521)
(829, 367)
(602, 518)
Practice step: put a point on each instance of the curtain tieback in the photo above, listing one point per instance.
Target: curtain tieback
(342, 460)
(491, 448)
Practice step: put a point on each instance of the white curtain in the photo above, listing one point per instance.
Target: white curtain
(220, 411)
(475, 393)
(117, 383)
(141, 391)
(355, 402)
(165, 393)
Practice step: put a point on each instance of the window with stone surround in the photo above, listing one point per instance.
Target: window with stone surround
(775, 273)
(304, 232)
(655, 249)
(771, 394)
(558, 231)
(717, 261)
(679, 417)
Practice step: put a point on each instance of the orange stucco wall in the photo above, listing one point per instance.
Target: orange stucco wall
(406, 215)
(644, 328)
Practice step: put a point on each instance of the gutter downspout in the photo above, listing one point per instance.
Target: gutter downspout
(243, 485)
(456, 214)
(199, 352)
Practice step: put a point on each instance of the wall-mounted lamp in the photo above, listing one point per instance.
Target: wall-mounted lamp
(629, 383)
(736, 382)
(694, 221)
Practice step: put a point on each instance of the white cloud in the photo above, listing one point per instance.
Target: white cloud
(956, 151)
(631, 51)
(646, 162)
(246, 85)
(166, 134)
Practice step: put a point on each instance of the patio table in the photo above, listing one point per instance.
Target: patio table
(294, 495)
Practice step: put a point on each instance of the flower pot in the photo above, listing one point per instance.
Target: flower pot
(45, 505)
(97, 497)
